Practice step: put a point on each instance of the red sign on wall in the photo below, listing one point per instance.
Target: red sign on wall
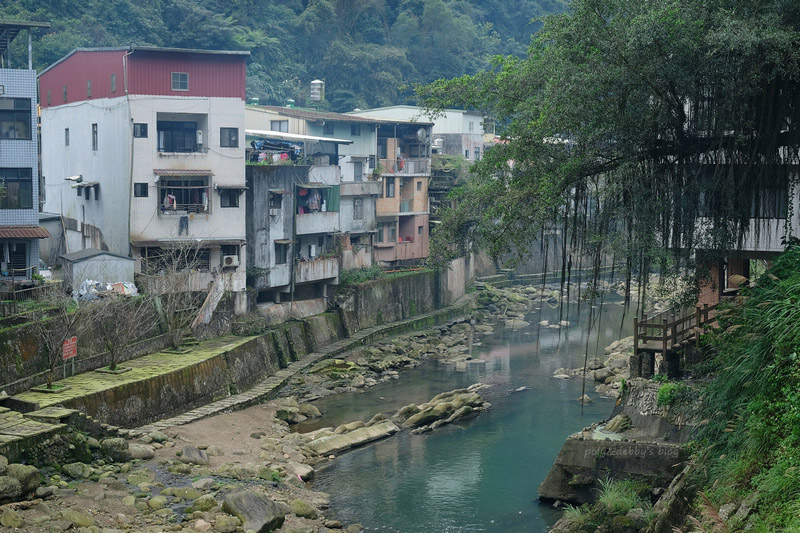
(70, 348)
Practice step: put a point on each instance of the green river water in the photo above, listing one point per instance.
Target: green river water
(482, 474)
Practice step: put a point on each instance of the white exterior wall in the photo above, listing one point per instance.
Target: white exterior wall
(106, 269)
(226, 164)
(109, 165)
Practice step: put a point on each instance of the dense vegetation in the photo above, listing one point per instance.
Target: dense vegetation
(626, 122)
(365, 50)
(751, 445)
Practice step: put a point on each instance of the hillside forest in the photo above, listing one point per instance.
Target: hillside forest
(369, 52)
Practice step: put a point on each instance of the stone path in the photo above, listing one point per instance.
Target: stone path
(269, 388)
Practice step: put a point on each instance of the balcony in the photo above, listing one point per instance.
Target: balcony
(320, 222)
(316, 269)
(361, 188)
(406, 167)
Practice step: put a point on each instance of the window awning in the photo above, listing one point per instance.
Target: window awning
(296, 137)
(182, 172)
(23, 232)
(85, 184)
(199, 243)
(284, 241)
(231, 187)
(279, 191)
(314, 186)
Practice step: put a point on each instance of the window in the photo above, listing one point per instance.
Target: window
(281, 253)
(49, 97)
(229, 197)
(66, 136)
(140, 190)
(389, 187)
(229, 137)
(228, 250)
(392, 233)
(419, 185)
(477, 154)
(87, 191)
(358, 208)
(380, 232)
(355, 129)
(279, 125)
(15, 118)
(88, 88)
(358, 171)
(176, 136)
(275, 199)
(94, 137)
(64, 93)
(187, 195)
(419, 230)
(180, 81)
(113, 83)
(466, 154)
(16, 188)
(471, 126)
(327, 128)
(140, 130)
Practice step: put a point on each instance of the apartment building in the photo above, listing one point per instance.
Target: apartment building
(143, 151)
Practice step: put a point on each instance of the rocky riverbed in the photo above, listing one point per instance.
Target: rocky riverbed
(247, 470)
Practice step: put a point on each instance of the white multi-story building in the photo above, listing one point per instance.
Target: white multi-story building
(142, 151)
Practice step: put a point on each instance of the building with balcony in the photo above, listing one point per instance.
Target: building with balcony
(292, 226)
(347, 141)
(143, 151)
(19, 160)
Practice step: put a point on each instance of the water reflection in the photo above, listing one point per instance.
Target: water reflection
(482, 474)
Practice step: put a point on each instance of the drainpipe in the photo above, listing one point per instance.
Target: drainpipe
(130, 153)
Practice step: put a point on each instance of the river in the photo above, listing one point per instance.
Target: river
(482, 474)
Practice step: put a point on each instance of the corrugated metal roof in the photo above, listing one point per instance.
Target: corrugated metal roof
(88, 253)
(23, 232)
(182, 172)
(293, 136)
(315, 115)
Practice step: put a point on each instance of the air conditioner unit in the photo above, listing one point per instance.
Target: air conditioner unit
(199, 136)
(230, 260)
(274, 211)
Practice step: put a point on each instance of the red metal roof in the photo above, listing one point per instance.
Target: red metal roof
(23, 232)
(149, 72)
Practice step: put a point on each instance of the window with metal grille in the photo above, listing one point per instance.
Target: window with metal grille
(188, 195)
(358, 208)
(94, 137)
(180, 81)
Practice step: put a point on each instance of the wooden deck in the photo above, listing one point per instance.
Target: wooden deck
(670, 331)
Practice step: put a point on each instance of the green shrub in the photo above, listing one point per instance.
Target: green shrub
(670, 393)
(619, 497)
(352, 277)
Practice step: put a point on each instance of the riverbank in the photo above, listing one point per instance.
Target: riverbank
(248, 457)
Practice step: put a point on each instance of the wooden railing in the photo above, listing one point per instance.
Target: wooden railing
(668, 330)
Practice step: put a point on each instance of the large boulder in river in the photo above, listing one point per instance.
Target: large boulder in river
(28, 476)
(255, 510)
(10, 489)
(328, 444)
(193, 456)
(116, 448)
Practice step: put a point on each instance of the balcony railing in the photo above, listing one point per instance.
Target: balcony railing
(405, 167)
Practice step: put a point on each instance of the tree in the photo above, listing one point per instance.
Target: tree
(168, 276)
(122, 320)
(626, 122)
(62, 319)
